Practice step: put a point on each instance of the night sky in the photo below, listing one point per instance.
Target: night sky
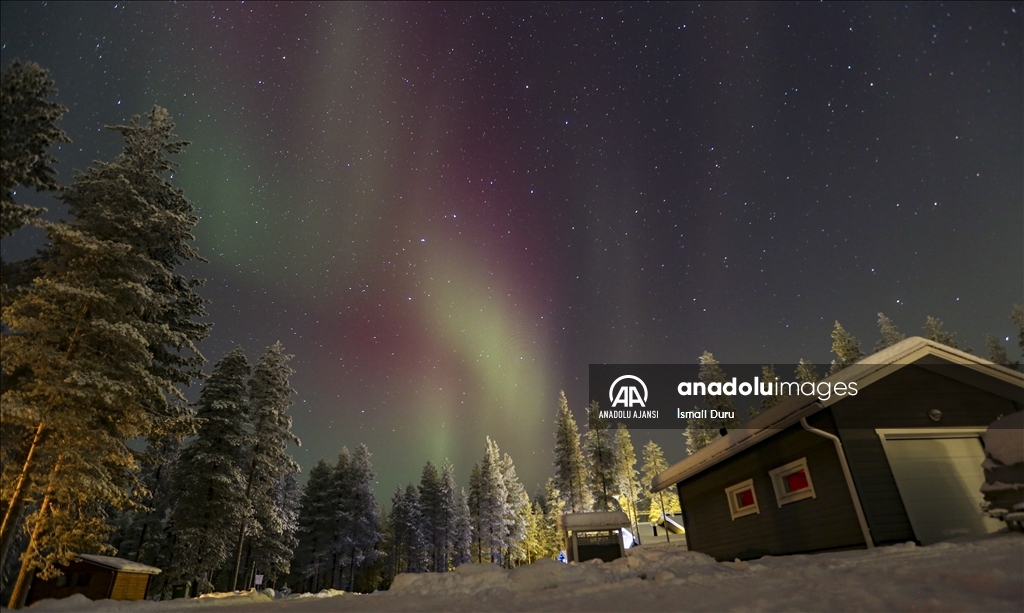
(447, 211)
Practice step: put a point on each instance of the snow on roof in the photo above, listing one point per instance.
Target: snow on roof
(120, 564)
(914, 350)
(601, 520)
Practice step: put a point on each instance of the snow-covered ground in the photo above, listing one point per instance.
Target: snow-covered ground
(985, 574)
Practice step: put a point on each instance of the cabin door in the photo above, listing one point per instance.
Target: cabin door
(938, 473)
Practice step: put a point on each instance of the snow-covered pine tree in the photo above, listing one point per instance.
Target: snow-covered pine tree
(996, 352)
(888, 332)
(271, 550)
(626, 480)
(552, 505)
(317, 521)
(700, 434)
(409, 549)
(101, 338)
(361, 530)
(269, 461)
(209, 478)
(662, 502)
(462, 533)
(805, 372)
(570, 468)
(933, 331)
(447, 519)
(517, 511)
(1017, 315)
(473, 504)
(144, 537)
(432, 501)
(846, 348)
(601, 461)
(492, 510)
(768, 375)
(28, 127)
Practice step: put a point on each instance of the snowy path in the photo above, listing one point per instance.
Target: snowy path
(980, 575)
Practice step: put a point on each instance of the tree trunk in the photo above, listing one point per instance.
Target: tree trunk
(13, 514)
(20, 592)
(248, 493)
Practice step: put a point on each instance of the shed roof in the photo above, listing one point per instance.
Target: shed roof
(914, 350)
(601, 520)
(120, 564)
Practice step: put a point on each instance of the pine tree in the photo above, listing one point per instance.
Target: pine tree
(1017, 315)
(473, 503)
(626, 480)
(447, 520)
(101, 339)
(890, 335)
(28, 127)
(655, 464)
(599, 446)
(846, 348)
(517, 511)
(552, 505)
(933, 331)
(462, 532)
(769, 376)
(996, 352)
(272, 549)
(209, 479)
(492, 506)
(433, 501)
(362, 530)
(700, 434)
(570, 469)
(269, 460)
(316, 524)
(805, 372)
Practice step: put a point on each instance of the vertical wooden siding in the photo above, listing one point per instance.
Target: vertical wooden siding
(902, 400)
(822, 523)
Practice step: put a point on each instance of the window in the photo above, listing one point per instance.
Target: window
(792, 482)
(84, 579)
(742, 499)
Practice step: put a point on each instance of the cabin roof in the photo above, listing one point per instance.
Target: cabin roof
(600, 520)
(914, 350)
(120, 564)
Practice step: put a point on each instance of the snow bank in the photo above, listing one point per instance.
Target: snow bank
(1004, 470)
(969, 574)
(79, 602)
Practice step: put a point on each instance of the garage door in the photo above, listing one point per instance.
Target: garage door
(938, 472)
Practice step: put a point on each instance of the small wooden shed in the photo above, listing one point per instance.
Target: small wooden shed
(899, 461)
(97, 578)
(593, 535)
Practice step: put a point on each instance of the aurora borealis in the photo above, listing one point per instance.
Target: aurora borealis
(446, 212)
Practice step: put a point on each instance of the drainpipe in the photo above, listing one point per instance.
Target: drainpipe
(849, 479)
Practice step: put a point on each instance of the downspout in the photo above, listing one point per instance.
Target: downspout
(849, 479)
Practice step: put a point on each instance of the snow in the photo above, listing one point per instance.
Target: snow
(1004, 440)
(977, 574)
(120, 564)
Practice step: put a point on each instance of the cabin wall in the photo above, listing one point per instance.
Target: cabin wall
(902, 400)
(826, 522)
(94, 582)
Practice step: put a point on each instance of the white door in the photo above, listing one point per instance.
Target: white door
(938, 472)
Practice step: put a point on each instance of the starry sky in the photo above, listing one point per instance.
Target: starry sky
(447, 211)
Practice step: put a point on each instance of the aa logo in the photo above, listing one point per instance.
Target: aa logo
(624, 395)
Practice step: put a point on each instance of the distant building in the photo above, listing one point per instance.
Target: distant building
(899, 461)
(593, 535)
(97, 578)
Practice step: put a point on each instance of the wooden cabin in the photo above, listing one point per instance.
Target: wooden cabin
(899, 461)
(593, 535)
(97, 578)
